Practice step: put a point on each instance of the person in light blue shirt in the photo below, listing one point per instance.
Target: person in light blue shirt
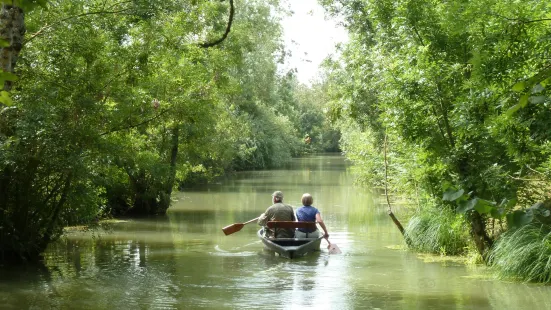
(307, 213)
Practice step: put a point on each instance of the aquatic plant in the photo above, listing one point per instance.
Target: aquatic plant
(437, 231)
(523, 254)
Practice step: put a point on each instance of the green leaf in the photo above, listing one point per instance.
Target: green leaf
(451, 194)
(512, 110)
(447, 185)
(539, 208)
(538, 88)
(518, 87)
(5, 98)
(538, 99)
(465, 206)
(523, 100)
(519, 218)
(537, 205)
(511, 203)
(8, 76)
(497, 213)
(4, 43)
(484, 206)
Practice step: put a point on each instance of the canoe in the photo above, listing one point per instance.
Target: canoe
(290, 247)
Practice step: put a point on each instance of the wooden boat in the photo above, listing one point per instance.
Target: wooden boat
(290, 247)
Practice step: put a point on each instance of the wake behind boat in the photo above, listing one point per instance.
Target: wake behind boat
(290, 247)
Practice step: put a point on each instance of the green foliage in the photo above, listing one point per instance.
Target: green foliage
(114, 105)
(438, 232)
(26, 5)
(460, 90)
(523, 254)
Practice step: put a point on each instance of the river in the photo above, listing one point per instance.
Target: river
(184, 261)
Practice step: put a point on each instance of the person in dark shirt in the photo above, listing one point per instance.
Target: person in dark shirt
(277, 212)
(307, 213)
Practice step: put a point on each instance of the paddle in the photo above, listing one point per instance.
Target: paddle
(233, 228)
(333, 248)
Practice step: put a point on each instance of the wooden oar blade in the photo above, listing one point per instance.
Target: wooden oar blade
(233, 228)
(333, 249)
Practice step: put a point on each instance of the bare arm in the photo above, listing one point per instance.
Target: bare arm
(319, 220)
(262, 219)
(265, 217)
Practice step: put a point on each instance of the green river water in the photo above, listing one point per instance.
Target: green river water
(184, 261)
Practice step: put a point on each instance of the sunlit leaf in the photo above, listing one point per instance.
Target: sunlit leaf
(518, 87)
(8, 76)
(523, 100)
(512, 110)
(5, 98)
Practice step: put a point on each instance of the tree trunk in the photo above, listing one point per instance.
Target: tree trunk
(143, 202)
(12, 31)
(396, 222)
(390, 213)
(50, 230)
(169, 185)
(5, 180)
(478, 231)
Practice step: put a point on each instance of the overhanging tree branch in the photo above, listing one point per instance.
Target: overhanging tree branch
(418, 35)
(48, 27)
(389, 211)
(135, 125)
(523, 21)
(225, 35)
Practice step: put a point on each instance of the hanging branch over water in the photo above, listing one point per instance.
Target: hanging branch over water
(225, 35)
(390, 213)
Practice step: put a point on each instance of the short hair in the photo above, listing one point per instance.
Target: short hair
(278, 196)
(307, 199)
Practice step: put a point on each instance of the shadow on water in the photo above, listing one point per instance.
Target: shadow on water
(33, 272)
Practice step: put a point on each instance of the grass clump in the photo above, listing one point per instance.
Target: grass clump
(523, 254)
(438, 232)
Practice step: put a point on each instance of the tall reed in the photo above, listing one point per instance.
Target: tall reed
(438, 232)
(523, 254)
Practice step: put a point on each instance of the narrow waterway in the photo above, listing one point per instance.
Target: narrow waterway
(184, 261)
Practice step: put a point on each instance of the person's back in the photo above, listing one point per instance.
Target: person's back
(277, 212)
(307, 213)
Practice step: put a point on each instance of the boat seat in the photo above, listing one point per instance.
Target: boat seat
(291, 225)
